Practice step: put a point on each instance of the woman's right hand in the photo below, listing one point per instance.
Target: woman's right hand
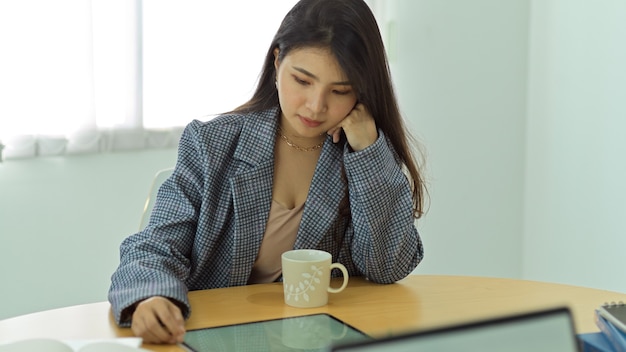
(158, 320)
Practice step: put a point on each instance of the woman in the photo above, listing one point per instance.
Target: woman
(318, 158)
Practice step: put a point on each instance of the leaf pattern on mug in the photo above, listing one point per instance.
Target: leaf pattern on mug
(301, 288)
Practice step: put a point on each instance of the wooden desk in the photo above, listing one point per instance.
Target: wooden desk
(417, 302)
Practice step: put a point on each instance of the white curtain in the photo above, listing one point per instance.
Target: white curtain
(86, 76)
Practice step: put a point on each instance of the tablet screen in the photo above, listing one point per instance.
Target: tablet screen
(315, 332)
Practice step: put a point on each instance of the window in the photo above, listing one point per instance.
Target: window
(80, 76)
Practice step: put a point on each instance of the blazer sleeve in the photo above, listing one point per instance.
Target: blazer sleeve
(385, 244)
(155, 261)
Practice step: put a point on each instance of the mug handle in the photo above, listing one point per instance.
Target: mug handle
(345, 277)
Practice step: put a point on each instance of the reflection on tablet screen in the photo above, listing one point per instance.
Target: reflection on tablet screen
(305, 333)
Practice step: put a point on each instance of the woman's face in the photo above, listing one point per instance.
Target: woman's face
(313, 91)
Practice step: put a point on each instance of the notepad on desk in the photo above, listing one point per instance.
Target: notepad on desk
(611, 319)
(614, 335)
(595, 342)
(123, 344)
(615, 313)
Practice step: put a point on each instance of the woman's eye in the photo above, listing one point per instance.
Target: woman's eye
(341, 92)
(300, 81)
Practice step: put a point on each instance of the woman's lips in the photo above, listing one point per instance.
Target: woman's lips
(308, 122)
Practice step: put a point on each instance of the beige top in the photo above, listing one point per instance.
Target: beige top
(280, 236)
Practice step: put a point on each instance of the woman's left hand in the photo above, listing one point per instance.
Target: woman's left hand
(359, 127)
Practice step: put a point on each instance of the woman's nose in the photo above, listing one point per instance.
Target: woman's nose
(317, 102)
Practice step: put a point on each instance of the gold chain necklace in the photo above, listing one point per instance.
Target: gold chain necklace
(297, 147)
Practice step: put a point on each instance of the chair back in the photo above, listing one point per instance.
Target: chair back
(159, 178)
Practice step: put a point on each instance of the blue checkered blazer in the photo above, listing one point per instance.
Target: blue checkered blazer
(210, 215)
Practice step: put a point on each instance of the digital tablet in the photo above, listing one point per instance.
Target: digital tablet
(316, 332)
(550, 330)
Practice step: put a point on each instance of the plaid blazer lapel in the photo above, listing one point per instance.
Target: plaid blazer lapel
(325, 194)
(252, 192)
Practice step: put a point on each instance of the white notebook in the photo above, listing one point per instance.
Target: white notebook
(123, 344)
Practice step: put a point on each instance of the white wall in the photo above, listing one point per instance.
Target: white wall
(521, 105)
(460, 71)
(61, 223)
(574, 228)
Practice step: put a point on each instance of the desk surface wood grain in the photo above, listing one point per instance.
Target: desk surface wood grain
(417, 302)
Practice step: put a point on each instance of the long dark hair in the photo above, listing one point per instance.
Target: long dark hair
(348, 28)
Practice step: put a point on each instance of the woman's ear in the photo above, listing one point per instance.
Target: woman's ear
(276, 63)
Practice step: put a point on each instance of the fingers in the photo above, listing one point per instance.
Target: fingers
(335, 133)
(158, 320)
(359, 127)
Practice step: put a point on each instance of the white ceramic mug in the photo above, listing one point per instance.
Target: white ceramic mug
(306, 277)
